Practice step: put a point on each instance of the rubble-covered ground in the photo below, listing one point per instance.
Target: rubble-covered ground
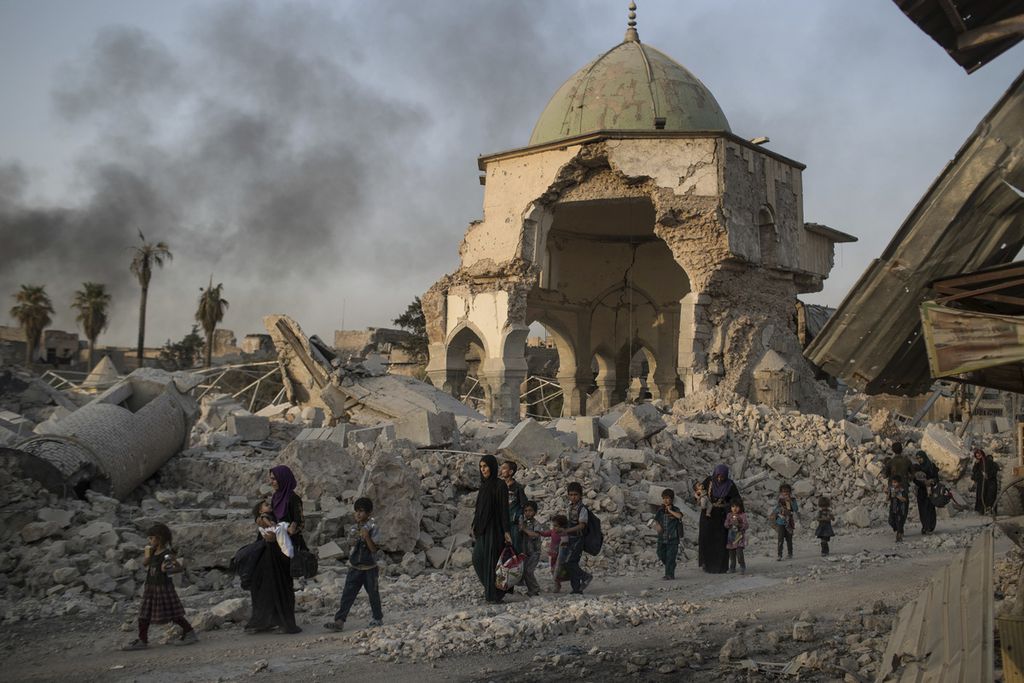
(70, 573)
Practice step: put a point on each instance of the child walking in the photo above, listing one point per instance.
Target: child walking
(558, 549)
(363, 571)
(160, 603)
(784, 515)
(898, 507)
(578, 516)
(736, 541)
(825, 518)
(668, 521)
(531, 541)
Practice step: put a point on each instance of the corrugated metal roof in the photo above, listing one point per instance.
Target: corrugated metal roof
(951, 24)
(947, 633)
(967, 220)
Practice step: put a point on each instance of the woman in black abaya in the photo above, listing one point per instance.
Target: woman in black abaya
(925, 475)
(490, 526)
(272, 590)
(713, 535)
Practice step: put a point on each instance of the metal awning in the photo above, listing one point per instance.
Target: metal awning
(971, 218)
(973, 32)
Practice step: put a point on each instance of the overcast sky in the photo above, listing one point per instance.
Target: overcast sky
(319, 158)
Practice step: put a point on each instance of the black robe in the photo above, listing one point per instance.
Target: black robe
(272, 590)
(925, 507)
(490, 524)
(712, 533)
(985, 474)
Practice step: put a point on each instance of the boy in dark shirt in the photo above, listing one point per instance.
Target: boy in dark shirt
(578, 516)
(532, 542)
(363, 570)
(668, 522)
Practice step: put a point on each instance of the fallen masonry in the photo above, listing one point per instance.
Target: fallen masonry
(76, 557)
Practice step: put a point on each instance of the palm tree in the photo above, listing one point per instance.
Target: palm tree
(210, 312)
(143, 260)
(32, 312)
(91, 302)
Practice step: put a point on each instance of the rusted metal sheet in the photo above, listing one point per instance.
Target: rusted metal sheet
(947, 634)
(971, 218)
(960, 341)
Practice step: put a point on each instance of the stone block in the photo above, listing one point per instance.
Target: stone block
(640, 422)
(436, 556)
(588, 430)
(214, 410)
(37, 531)
(16, 423)
(803, 488)
(278, 410)
(461, 558)
(65, 575)
(784, 466)
(946, 450)
(530, 444)
(611, 417)
(249, 427)
(858, 517)
(236, 610)
(330, 551)
(856, 433)
(428, 430)
(61, 517)
(702, 432)
(628, 458)
(803, 631)
(369, 435)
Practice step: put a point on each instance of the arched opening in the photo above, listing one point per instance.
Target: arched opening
(465, 351)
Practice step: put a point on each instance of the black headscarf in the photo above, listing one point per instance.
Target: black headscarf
(489, 498)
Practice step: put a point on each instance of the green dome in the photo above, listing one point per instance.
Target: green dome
(627, 88)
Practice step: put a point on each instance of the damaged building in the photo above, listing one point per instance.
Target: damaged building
(634, 223)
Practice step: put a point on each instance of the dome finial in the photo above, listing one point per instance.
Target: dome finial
(631, 35)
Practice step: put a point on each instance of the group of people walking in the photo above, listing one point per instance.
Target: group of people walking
(504, 517)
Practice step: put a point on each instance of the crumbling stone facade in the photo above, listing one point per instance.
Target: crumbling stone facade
(686, 245)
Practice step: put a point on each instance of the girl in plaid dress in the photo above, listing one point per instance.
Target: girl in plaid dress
(160, 603)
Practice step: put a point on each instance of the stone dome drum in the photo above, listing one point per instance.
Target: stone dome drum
(632, 87)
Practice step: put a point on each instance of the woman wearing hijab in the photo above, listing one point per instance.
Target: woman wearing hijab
(490, 526)
(713, 535)
(273, 594)
(925, 474)
(985, 474)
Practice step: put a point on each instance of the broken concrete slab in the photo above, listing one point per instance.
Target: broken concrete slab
(858, 517)
(249, 427)
(330, 551)
(588, 430)
(640, 422)
(102, 376)
(18, 424)
(369, 435)
(628, 458)
(530, 444)
(428, 430)
(276, 410)
(786, 467)
(702, 431)
(946, 450)
(214, 410)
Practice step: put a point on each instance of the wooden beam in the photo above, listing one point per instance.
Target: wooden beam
(955, 20)
(983, 35)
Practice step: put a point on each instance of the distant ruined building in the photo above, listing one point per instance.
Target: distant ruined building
(635, 224)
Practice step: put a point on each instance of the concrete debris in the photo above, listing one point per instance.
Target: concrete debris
(640, 422)
(248, 427)
(429, 430)
(946, 450)
(530, 444)
(701, 432)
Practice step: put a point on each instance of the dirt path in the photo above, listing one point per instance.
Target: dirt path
(771, 594)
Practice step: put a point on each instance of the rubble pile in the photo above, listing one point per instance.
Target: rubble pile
(513, 628)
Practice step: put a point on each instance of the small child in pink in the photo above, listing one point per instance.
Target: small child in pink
(736, 541)
(558, 550)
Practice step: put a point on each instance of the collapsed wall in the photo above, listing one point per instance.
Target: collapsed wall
(117, 441)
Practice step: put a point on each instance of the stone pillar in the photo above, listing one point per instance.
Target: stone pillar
(574, 383)
(694, 339)
(503, 377)
(445, 374)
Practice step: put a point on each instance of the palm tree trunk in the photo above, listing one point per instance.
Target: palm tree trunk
(92, 351)
(33, 338)
(142, 324)
(209, 348)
